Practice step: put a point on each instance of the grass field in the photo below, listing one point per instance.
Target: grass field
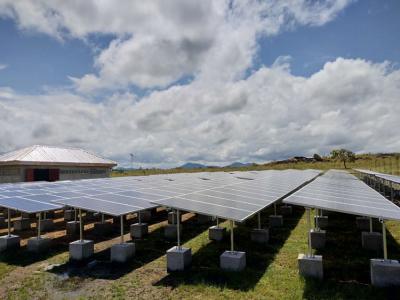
(271, 271)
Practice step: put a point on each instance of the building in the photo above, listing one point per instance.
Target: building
(47, 163)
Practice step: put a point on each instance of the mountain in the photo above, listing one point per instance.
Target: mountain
(239, 164)
(190, 165)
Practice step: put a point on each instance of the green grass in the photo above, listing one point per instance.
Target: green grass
(271, 271)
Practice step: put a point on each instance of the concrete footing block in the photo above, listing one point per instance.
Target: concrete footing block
(286, 210)
(139, 230)
(73, 227)
(80, 250)
(172, 219)
(46, 225)
(259, 236)
(69, 215)
(105, 228)
(146, 216)
(310, 266)
(322, 221)
(203, 219)
(371, 240)
(362, 223)
(385, 273)
(3, 223)
(122, 252)
(216, 233)
(38, 244)
(232, 261)
(9, 242)
(170, 231)
(318, 239)
(178, 259)
(22, 224)
(275, 221)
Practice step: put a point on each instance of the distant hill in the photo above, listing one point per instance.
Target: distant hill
(190, 165)
(239, 164)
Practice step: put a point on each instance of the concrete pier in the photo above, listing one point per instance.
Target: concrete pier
(139, 230)
(122, 252)
(72, 227)
(233, 261)
(178, 259)
(318, 239)
(38, 244)
(310, 266)
(9, 242)
(385, 273)
(275, 221)
(216, 233)
(286, 210)
(170, 231)
(259, 236)
(371, 240)
(22, 224)
(81, 249)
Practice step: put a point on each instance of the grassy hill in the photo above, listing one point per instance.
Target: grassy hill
(381, 162)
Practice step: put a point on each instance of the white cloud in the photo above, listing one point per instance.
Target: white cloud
(2, 67)
(160, 42)
(272, 114)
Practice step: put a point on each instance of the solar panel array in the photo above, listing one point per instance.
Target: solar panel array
(123, 195)
(343, 192)
(388, 177)
(240, 200)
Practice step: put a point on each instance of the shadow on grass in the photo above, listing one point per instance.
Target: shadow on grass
(347, 265)
(60, 244)
(148, 249)
(205, 262)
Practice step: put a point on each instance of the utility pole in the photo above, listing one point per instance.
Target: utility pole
(131, 156)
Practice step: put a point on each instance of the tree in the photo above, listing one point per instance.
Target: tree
(343, 155)
(317, 157)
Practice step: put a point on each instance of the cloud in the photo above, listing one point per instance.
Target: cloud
(2, 67)
(271, 114)
(157, 43)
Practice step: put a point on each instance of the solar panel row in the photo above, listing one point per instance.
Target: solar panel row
(343, 192)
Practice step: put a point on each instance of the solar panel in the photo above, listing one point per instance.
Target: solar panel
(388, 177)
(342, 192)
(27, 206)
(235, 200)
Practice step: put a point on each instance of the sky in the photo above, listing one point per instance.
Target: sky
(202, 81)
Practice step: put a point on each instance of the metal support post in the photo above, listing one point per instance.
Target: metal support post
(122, 228)
(274, 209)
(178, 223)
(38, 225)
(9, 222)
(102, 218)
(384, 240)
(391, 192)
(140, 217)
(259, 220)
(80, 226)
(310, 254)
(217, 222)
(317, 211)
(370, 224)
(231, 225)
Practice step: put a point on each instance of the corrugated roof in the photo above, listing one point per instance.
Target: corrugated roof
(54, 155)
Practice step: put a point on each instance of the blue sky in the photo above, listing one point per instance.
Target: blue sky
(367, 29)
(200, 80)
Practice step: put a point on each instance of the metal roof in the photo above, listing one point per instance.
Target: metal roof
(50, 155)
